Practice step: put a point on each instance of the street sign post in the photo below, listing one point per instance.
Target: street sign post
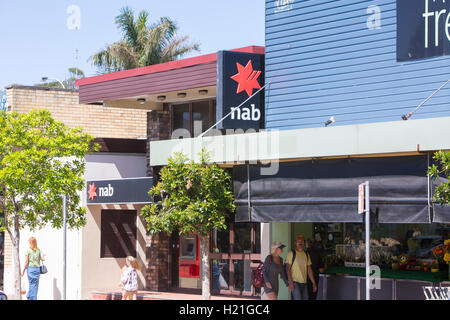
(364, 207)
(64, 246)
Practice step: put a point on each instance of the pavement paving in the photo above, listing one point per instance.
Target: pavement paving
(153, 295)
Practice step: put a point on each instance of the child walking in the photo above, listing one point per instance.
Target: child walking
(129, 278)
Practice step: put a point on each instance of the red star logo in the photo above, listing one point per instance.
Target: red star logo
(92, 191)
(247, 78)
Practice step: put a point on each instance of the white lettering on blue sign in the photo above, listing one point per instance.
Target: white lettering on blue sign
(428, 16)
(106, 191)
(252, 114)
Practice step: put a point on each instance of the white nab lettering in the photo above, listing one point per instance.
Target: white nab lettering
(248, 114)
(106, 191)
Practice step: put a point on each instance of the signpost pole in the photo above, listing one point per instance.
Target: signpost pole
(64, 247)
(367, 211)
(364, 207)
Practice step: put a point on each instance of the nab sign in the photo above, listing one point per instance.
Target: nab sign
(119, 191)
(423, 29)
(240, 75)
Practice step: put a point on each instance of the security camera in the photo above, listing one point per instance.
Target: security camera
(330, 121)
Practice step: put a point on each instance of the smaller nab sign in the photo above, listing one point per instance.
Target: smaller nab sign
(119, 191)
(240, 75)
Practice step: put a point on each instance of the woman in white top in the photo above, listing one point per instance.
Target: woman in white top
(129, 279)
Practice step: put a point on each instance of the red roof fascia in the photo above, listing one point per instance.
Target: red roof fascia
(188, 62)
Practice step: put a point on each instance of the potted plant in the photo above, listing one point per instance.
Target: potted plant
(395, 263)
(447, 255)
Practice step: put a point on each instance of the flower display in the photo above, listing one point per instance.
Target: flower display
(440, 251)
(389, 242)
(447, 251)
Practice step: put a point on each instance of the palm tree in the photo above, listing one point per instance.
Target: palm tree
(143, 44)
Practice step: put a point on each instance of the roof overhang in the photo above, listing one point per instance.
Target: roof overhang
(125, 87)
(374, 139)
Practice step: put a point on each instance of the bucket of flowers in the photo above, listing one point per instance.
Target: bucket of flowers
(439, 253)
(447, 255)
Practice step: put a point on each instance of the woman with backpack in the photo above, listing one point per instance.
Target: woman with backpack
(129, 279)
(273, 268)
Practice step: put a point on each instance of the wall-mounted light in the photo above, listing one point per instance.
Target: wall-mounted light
(203, 92)
(181, 95)
(141, 100)
(161, 98)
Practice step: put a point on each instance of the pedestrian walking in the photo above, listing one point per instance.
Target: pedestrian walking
(129, 279)
(273, 269)
(216, 271)
(317, 265)
(32, 265)
(298, 269)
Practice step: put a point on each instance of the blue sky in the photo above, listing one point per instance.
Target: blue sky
(37, 42)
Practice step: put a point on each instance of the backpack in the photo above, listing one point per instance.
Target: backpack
(257, 277)
(294, 253)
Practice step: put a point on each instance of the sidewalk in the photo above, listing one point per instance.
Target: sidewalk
(153, 295)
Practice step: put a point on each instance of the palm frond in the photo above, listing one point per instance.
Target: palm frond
(143, 44)
(116, 57)
(125, 22)
(177, 48)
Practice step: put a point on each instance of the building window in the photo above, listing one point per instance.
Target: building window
(118, 233)
(236, 251)
(195, 117)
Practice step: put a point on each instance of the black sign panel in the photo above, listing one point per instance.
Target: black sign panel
(240, 75)
(423, 29)
(119, 191)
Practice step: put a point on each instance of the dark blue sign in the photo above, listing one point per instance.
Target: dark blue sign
(119, 191)
(240, 75)
(423, 29)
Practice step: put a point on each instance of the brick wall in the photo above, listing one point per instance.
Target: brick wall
(158, 262)
(158, 246)
(96, 120)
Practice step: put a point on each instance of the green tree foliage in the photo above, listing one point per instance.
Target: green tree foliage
(143, 44)
(191, 198)
(40, 160)
(439, 171)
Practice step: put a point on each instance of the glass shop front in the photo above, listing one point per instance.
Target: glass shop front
(409, 234)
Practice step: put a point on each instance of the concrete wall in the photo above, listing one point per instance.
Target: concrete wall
(50, 241)
(281, 231)
(98, 273)
(85, 270)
